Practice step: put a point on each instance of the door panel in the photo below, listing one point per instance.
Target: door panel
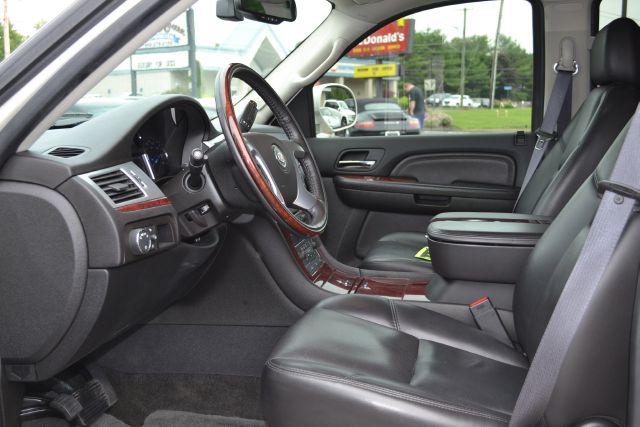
(458, 168)
(416, 197)
(409, 179)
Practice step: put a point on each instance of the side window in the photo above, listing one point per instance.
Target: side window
(460, 68)
(609, 10)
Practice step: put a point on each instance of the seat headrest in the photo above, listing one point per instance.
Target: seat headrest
(615, 55)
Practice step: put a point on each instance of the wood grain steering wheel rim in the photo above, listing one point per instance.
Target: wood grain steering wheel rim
(310, 201)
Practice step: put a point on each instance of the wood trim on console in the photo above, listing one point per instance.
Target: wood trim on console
(332, 278)
(147, 204)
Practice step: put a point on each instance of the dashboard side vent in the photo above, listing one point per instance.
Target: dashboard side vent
(118, 186)
(66, 152)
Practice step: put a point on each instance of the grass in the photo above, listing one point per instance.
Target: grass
(486, 119)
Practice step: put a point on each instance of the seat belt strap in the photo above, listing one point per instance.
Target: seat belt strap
(488, 320)
(616, 207)
(558, 111)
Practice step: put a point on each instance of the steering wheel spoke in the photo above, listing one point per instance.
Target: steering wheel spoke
(306, 200)
(261, 164)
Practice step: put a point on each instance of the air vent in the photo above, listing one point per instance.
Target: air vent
(118, 186)
(66, 152)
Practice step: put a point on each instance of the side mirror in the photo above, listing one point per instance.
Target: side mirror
(335, 108)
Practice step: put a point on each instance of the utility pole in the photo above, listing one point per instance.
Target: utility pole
(134, 77)
(5, 24)
(193, 65)
(464, 53)
(494, 67)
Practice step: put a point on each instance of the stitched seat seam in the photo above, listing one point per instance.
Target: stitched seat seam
(386, 391)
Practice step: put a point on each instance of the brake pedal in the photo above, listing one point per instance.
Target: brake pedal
(94, 400)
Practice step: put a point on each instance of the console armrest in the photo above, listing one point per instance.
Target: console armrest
(484, 247)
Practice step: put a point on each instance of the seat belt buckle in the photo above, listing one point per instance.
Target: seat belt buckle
(488, 320)
(544, 138)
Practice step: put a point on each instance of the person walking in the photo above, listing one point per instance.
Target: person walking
(416, 102)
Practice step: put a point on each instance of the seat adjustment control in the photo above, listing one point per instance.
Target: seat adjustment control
(143, 240)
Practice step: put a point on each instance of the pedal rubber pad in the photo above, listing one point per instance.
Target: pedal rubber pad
(67, 405)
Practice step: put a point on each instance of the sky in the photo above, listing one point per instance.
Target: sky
(481, 19)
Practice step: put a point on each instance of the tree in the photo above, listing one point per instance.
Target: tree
(515, 69)
(15, 38)
(435, 57)
(41, 23)
(420, 64)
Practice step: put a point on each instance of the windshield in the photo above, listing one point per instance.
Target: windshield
(382, 106)
(163, 65)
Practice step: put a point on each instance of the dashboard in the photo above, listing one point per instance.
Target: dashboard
(157, 145)
(112, 234)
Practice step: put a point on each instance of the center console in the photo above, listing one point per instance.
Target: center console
(483, 247)
(473, 254)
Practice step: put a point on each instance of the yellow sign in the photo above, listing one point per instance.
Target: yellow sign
(377, 70)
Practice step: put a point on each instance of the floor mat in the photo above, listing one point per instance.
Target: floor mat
(107, 420)
(190, 419)
(139, 395)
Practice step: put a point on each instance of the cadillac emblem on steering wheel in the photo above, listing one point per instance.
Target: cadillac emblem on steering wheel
(280, 158)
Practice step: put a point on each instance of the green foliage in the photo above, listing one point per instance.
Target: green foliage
(471, 119)
(404, 102)
(438, 119)
(15, 38)
(435, 57)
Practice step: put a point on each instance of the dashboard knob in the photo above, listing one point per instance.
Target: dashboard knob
(141, 241)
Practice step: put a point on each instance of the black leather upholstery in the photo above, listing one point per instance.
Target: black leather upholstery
(397, 249)
(615, 67)
(369, 361)
(615, 54)
(366, 361)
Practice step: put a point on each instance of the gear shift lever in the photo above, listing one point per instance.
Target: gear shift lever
(196, 163)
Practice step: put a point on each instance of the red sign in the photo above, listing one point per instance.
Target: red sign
(395, 37)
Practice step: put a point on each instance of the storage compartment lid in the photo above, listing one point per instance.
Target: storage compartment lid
(488, 229)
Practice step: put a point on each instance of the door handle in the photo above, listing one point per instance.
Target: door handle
(356, 164)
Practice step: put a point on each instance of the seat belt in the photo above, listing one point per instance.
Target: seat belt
(488, 320)
(621, 193)
(558, 111)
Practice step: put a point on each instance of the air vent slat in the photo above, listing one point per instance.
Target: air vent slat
(66, 152)
(118, 186)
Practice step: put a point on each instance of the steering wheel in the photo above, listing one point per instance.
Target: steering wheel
(282, 173)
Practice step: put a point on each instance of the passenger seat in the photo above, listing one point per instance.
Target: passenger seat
(615, 74)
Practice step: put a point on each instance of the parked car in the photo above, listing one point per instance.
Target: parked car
(333, 117)
(454, 101)
(435, 99)
(339, 105)
(381, 116)
(484, 102)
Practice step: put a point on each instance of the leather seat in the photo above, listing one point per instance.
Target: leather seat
(615, 73)
(367, 361)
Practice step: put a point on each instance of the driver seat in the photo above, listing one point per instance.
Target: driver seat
(369, 361)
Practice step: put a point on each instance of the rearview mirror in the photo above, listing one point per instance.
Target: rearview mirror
(269, 11)
(335, 109)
